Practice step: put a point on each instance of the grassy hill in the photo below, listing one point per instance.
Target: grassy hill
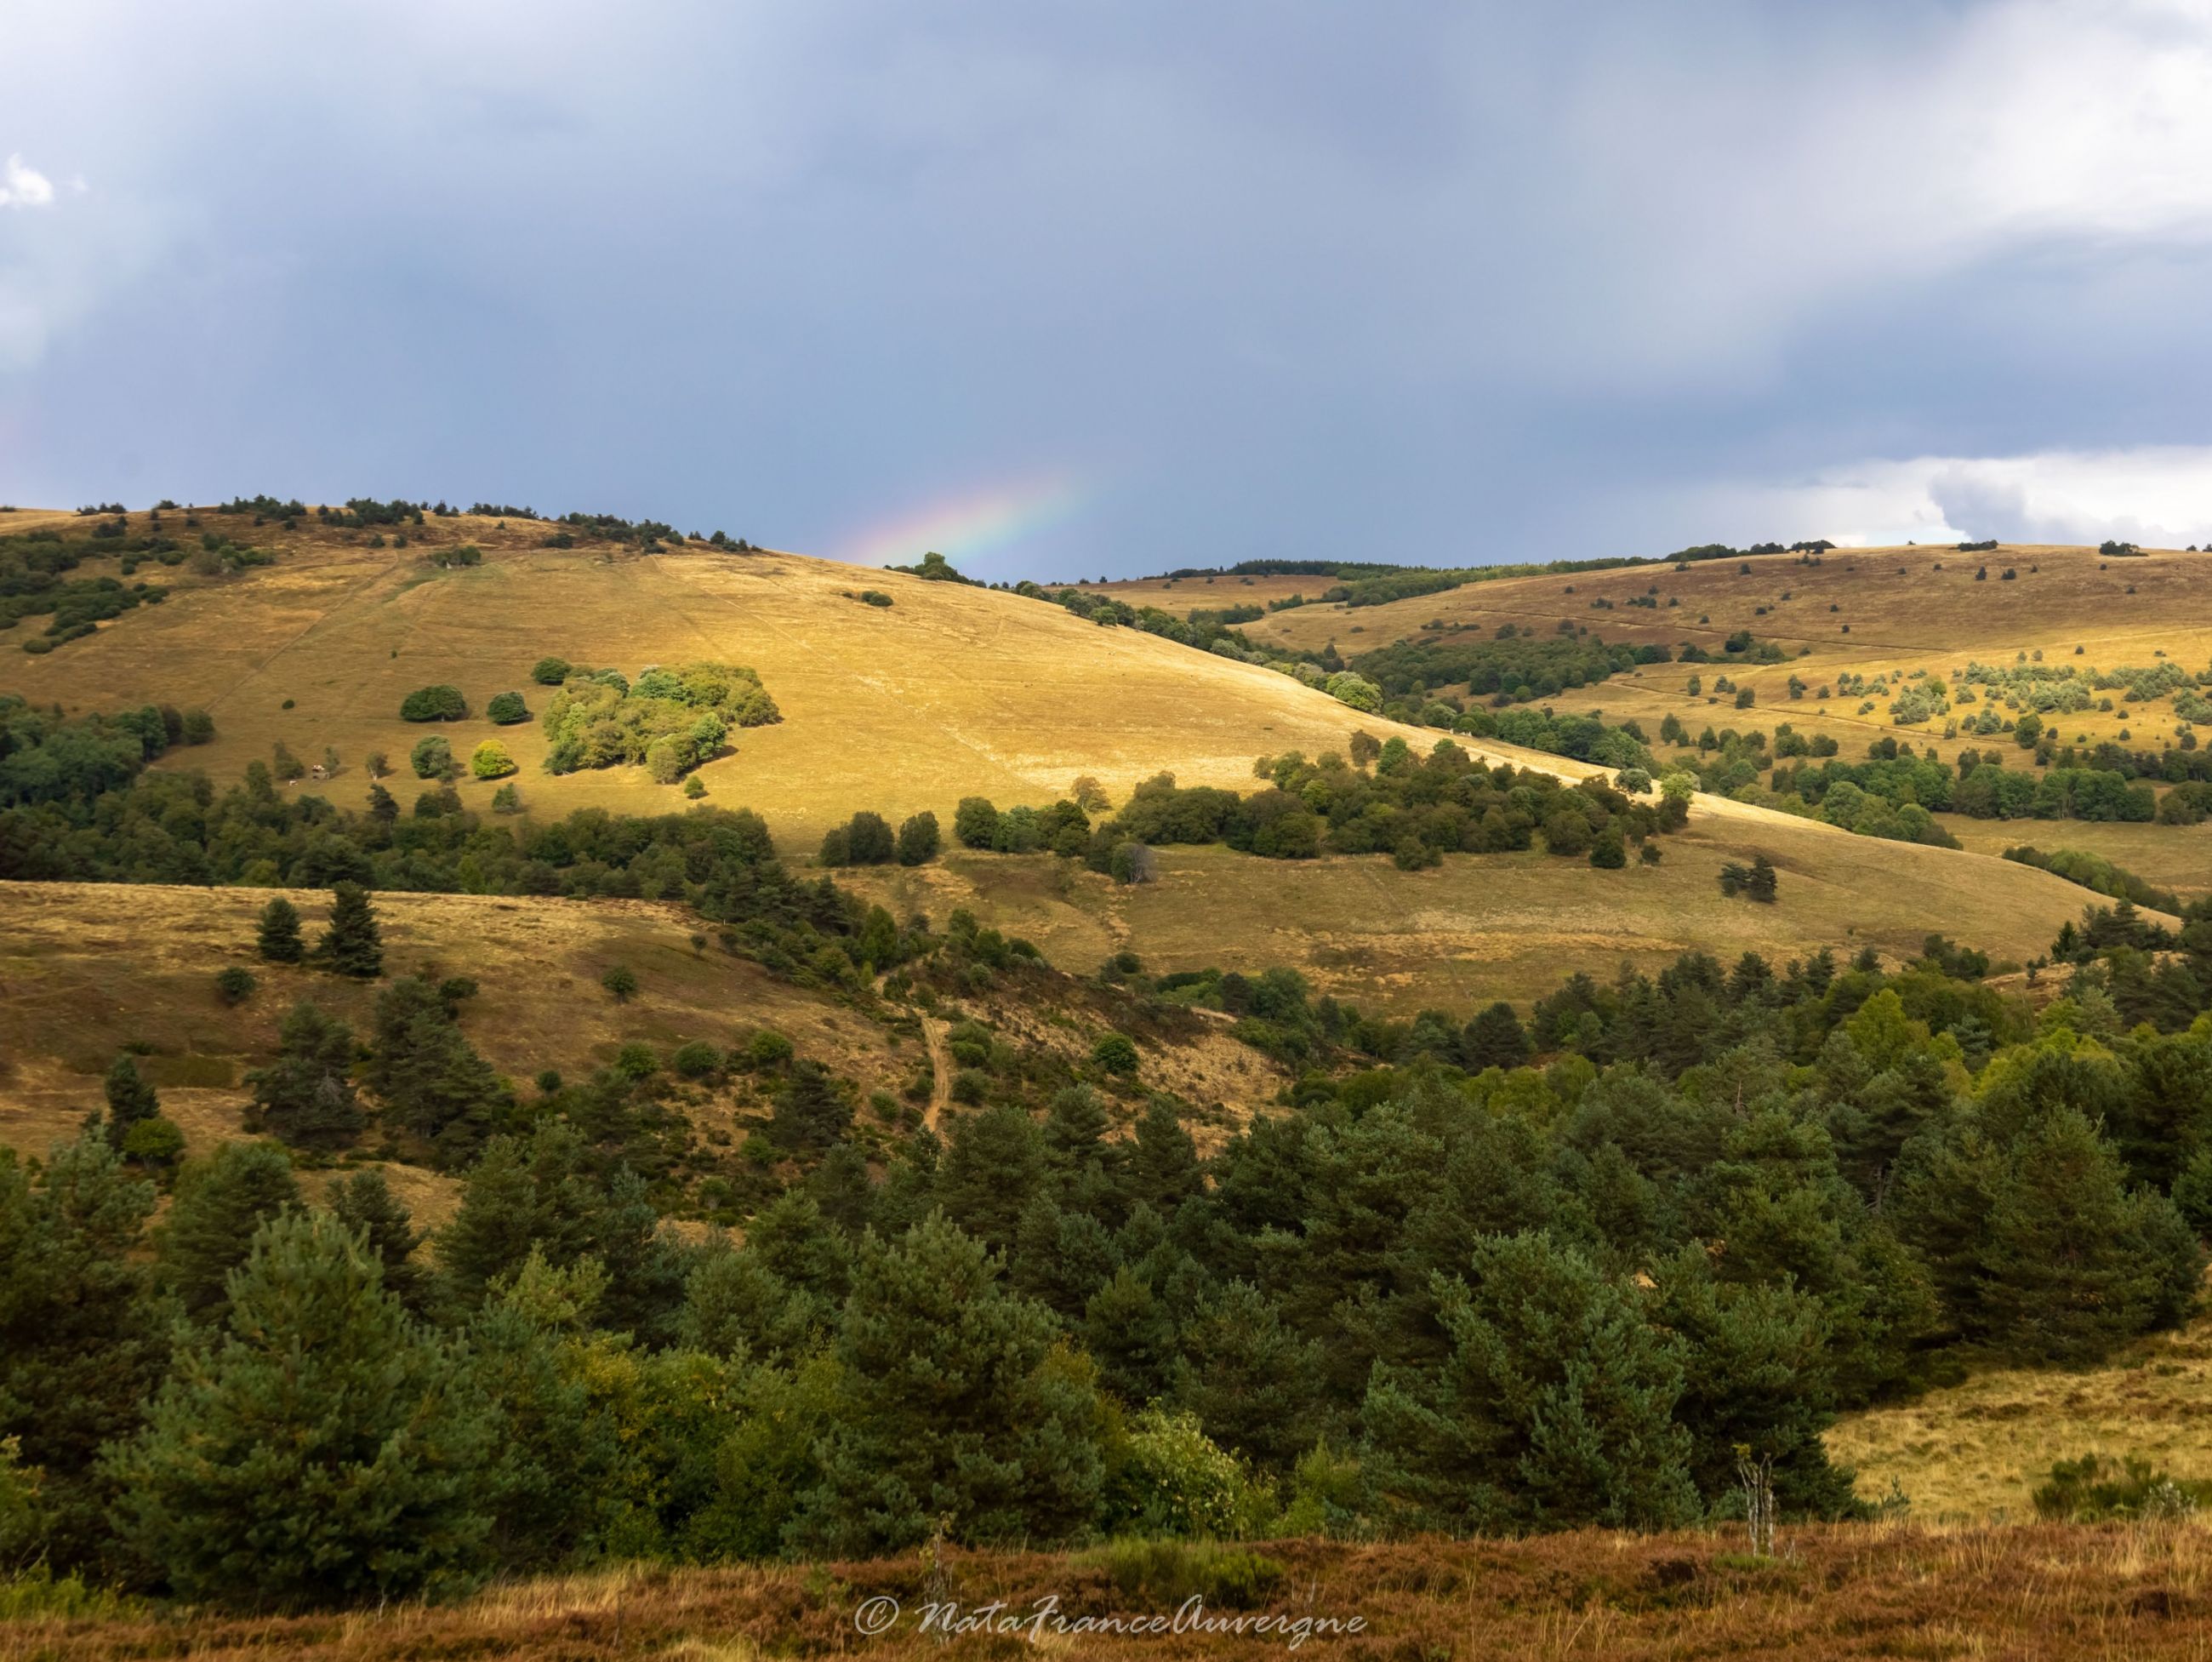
(953, 690)
(92, 969)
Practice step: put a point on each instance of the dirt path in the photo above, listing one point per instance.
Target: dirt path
(941, 1067)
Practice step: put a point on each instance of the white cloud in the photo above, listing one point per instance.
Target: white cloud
(23, 188)
(2161, 495)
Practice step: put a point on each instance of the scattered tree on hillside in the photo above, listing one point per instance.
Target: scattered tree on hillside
(279, 935)
(352, 945)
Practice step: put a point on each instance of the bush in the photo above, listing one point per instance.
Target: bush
(507, 708)
(2097, 1487)
(235, 986)
(433, 703)
(491, 760)
(694, 788)
(696, 1060)
(433, 759)
(621, 983)
(918, 839)
(154, 1141)
(1115, 1053)
(550, 672)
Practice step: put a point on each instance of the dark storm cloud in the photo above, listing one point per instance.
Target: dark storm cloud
(1111, 287)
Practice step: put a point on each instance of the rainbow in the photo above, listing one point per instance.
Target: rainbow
(988, 520)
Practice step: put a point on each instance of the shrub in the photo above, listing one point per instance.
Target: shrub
(507, 708)
(433, 703)
(235, 986)
(975, 823)
(694, 787)
(918, 839)
(2096, 1487)
(1115, 1053)
(507, 800)
(433, 759)
(491, 761)
(550, 672)
(696, 1060)
(621, 983)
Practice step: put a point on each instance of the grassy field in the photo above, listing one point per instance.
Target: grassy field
(2050, 1592)
(1904, 614)
(87, 969)
(950, 692)
(1976, 1450)
(1484, 927)
(2175, 857)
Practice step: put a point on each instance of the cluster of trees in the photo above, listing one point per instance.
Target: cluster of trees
(1416, 809)
(2093, 871)
(1460, 1291)
(1756, 881)
(48, 758)
(1515, 667)
(70, 810)
(33, 583)
(670, 721)
(867, 839)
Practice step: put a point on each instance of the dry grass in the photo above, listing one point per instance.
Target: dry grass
(89, 968)
(2046, 1592)
(2176, 857)
(1976, 1450)
(956, 691)
(951, 691)
(1919, 618)
(1480, 927)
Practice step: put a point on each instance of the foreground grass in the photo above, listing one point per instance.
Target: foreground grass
(1976, 1450)
(2044, 1590)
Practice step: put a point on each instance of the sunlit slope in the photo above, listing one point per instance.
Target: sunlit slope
(1480, 927)
(950, 692)
(1903, 613)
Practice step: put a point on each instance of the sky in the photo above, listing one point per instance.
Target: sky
(1069, 288)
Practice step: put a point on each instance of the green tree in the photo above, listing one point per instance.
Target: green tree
(507, 708)
(305, 1097)
(130, 1099)
(958, 1402)
(620, 982)
(550, 672)
(84, 1337)
(975, 823)
(918, 839)
(811, 1113)
(868, 840)
(1554, 1406)
(352, 945)
(429, 1076)
(1117, 1053)
(1495, 1039)
(490, 760)
(221, 1201)
(1253, 1382)
(234, 984)
(364, 1202)
(507, 800)
(320, 1449)
(433, 759)
(433, 703)
(279, 937)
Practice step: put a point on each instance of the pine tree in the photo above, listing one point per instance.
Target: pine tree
(2072, 1261)
(1130, 1333)
(811, 1113)
(1495, 1039)
(1162, 1170)
(279, 937)
(956, 1401)
(365, 1203)
(221, 1203)
(322, 1449)
(992, 1166)
(305, 1097)
(129, 1099)
(84, 1337)
(429, 1076)
(1554, 1407)
(1254, 1385)
(352, 946)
